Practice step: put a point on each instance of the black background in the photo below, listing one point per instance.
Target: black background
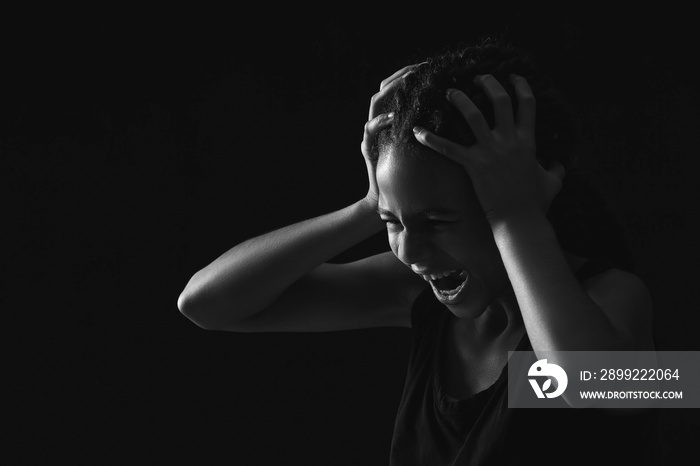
(137, 147)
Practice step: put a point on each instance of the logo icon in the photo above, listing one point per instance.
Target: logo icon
(552, 371)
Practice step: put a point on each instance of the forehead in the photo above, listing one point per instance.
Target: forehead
(414, 181)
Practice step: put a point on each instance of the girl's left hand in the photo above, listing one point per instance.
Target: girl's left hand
(506, 176)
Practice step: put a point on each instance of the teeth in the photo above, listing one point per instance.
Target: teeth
(435, 276)
(451, 294)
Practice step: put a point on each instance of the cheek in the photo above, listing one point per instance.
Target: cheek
(393, 239)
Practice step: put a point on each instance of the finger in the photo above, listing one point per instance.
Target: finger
(470, 112)
(379, 122)
(526, 103)
(399, 74)
(441, 145)
(386, 89)
(502, 104)
(395, 76)
(372, 128)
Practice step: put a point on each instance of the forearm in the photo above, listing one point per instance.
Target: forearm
(250, 276)
(557, 312)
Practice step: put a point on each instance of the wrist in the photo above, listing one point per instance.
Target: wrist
(367, 212)
(532, 223)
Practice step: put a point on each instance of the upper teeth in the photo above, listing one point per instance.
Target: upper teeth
(435, 276)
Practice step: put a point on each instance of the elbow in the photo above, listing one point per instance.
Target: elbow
(204, 309)
(207, 307)
(189, 305)
(184, 304)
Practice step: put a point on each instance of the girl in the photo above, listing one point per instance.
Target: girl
(479, 197)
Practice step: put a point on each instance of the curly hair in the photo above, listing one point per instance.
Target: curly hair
(583, 220)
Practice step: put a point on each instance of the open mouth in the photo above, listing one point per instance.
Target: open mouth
(448, 287)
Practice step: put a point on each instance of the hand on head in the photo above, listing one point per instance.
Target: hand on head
(506, 176)
(377, 121)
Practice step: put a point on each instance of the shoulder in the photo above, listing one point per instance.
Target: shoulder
(626, 302)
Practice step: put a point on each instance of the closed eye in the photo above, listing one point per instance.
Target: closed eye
(428, 223)
(440, 224)
(391, 221)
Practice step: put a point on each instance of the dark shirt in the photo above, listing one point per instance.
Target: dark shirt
(433, 429)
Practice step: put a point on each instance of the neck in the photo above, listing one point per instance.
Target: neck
(501, 317)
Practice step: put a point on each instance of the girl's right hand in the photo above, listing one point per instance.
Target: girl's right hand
(375, 123)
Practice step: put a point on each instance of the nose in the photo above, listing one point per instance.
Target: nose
(413, 247)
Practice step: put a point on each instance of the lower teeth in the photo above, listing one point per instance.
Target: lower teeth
(453, 292)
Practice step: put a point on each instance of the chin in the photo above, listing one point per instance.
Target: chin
(472, 303)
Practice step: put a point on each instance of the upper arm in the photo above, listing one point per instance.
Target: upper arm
(376, 291)
(626, 302)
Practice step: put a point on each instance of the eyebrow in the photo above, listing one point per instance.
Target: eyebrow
(423, 213)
